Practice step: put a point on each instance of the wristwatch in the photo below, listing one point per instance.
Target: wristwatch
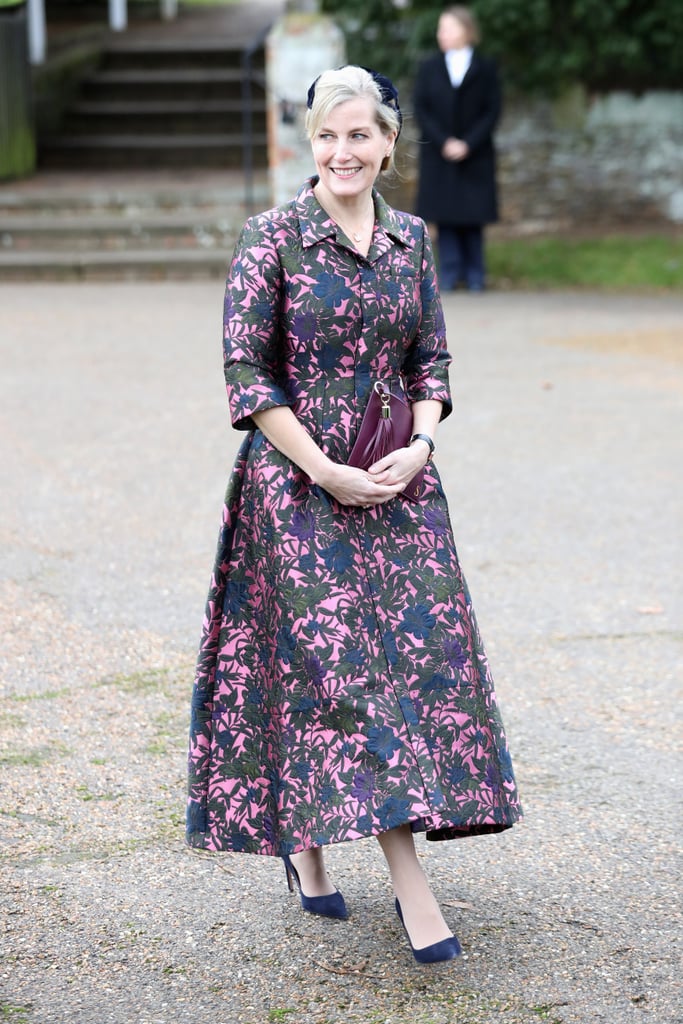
(427, 440)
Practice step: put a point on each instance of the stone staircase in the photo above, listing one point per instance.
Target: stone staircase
(164, 103)
(142, 226)
(144, 179)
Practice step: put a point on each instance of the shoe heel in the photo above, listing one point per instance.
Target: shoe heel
(290, 872)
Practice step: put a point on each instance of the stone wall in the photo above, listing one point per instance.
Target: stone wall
(613, 161)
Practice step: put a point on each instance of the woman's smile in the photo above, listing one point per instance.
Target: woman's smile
(349, 149)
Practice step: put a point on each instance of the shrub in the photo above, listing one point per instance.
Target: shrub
(541, 45)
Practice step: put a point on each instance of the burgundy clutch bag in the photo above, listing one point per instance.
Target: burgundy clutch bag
(387, 424)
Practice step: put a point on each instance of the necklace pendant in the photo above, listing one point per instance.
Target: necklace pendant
(357, 238)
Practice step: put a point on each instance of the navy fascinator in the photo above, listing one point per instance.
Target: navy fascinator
(388, 92)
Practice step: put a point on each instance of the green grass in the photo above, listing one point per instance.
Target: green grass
(544, 1013)
(27, 758)
(167, 730)
(613, 263)
(144, 681)
(24, 698)
(34, 757)
(84, 793)
(9, 720)
(16, 1014)
(151, 680)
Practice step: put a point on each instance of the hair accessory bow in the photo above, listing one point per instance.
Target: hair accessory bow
(388, 92)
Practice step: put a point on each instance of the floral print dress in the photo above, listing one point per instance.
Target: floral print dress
(342, 688)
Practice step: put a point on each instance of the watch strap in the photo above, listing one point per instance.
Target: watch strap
(428, 441)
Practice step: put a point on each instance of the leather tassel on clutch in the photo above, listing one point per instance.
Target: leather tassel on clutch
(387, 424)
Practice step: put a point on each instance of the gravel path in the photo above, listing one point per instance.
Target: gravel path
(565, 494)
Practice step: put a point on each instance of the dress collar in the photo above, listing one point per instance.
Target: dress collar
(317, 225)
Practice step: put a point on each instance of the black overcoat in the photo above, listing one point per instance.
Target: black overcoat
(457, 192)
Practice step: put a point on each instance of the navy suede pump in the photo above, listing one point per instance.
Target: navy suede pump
(327, 906)
(447, 949)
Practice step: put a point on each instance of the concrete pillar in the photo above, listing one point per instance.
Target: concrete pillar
(169, 9)
(118, 15)
(299, 46)
(17, 131)
(37, 37)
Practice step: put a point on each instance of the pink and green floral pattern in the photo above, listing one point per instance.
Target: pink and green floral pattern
(342, 688)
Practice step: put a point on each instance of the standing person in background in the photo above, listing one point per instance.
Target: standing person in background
(457, 105)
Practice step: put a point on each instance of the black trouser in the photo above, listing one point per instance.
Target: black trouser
(461, 256)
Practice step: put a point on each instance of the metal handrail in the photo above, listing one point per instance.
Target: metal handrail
(248, 76)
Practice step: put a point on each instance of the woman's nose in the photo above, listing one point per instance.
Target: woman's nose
(342, 151)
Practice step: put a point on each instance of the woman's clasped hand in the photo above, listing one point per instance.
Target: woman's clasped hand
(380, 482)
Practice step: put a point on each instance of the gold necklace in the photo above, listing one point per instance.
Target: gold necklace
(356, 235)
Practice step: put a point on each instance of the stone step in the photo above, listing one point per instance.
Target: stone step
(142, 193)
(167, 83)
(160, 116)
(168, 150)
(148, 106)
(149, 264)
(124, 224)
(167, 76)
(161, 97)
(200, 53)
(135, 230)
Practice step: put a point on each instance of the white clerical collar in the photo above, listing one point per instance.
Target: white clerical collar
(458, 62)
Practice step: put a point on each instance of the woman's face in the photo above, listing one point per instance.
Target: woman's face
(451, 34)
(349, 148)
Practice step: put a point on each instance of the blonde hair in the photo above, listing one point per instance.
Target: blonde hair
(468, 21)
(350, 83)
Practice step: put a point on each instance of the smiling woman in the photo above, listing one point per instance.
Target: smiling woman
(342, 689)
(349, 150)
(351, 145)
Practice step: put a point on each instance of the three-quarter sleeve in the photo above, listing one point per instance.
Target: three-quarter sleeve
(425, 368)
(251, 325)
